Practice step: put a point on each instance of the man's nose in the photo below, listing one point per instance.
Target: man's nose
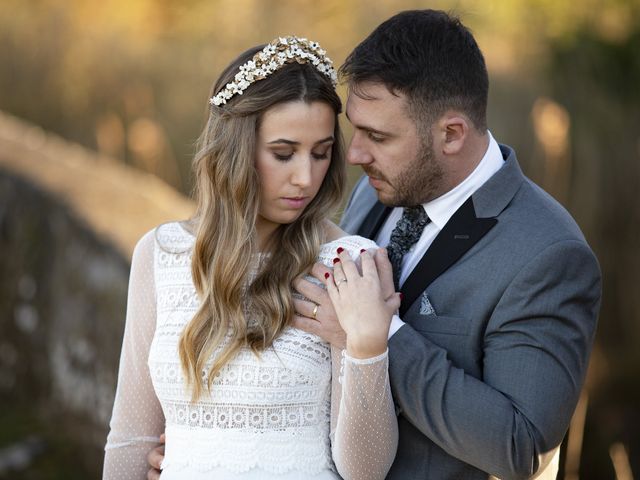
(357, 154)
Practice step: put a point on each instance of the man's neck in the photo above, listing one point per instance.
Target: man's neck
(470, 157)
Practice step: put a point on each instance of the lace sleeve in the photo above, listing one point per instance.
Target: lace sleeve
(364, 425)
(137, 420)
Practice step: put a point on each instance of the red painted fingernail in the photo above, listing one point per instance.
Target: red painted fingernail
(340, 249)
(363, 250)
(326, 274)
(401, 296)
(336, 260)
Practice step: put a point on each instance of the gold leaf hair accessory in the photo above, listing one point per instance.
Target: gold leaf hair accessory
(274, 56)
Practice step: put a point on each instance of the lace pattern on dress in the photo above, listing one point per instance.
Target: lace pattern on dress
(255, 403)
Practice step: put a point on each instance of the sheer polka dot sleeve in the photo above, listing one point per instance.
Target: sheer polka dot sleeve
(137, 420)
(365, 438)
(364, 425)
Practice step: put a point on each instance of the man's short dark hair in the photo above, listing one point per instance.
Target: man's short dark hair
(429, 56)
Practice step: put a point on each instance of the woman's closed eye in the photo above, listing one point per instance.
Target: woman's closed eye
(322, 154)
(317, 155)
(283, 156)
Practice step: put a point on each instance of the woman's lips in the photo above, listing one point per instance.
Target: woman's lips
(295, 202)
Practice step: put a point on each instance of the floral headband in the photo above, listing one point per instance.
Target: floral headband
(274, 56)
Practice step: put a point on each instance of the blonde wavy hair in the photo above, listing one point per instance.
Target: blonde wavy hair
(225, 251)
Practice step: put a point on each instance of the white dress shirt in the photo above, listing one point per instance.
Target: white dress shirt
(440, 210)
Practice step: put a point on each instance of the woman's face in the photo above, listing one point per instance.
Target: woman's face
(295, 141)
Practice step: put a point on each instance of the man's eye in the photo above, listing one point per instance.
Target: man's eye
(374, 137)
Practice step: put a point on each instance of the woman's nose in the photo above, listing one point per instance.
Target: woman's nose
(301, 175)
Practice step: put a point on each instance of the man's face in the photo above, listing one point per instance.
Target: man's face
(400, 161)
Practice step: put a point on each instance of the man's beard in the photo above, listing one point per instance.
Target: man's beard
(418, 183)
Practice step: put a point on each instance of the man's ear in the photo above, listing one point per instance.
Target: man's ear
(454, 128)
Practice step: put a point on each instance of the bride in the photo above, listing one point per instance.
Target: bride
(209, 354)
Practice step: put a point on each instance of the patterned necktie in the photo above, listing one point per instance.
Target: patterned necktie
(405, 234)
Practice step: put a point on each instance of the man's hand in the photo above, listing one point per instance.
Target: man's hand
(325, 324)
(155, 457)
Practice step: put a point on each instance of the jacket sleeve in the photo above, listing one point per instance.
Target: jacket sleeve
(535, 352)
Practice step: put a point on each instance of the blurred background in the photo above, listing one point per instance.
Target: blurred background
(100, 105)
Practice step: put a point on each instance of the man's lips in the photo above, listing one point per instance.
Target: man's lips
(375, 182)
(376, 179)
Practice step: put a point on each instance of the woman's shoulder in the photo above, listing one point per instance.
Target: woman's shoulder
(171, 237)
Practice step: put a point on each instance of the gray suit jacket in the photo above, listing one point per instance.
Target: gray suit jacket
(500, 316)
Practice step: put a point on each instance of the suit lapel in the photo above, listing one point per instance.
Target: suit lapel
(462, 231)
(374, 220)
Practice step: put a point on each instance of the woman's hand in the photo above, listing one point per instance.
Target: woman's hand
(363, 307)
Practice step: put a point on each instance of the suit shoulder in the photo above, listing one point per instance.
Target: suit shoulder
(539, 212)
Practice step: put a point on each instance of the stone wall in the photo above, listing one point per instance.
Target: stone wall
(68, 223)
(62, 304)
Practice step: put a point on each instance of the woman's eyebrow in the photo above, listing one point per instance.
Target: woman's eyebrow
(291, 142)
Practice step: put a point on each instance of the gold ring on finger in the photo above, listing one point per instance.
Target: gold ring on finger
(344, 280)
(315, 312)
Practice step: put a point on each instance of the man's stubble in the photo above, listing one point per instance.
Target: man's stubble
(420, 181)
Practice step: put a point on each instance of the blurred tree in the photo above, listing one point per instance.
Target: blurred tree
(595, 74)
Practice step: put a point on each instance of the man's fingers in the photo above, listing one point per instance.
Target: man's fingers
(368, 265)
(385, 272)
(310, 290)
(153, 475)
(155, 457)
(394, 301)
(306, 324)
(305, 308)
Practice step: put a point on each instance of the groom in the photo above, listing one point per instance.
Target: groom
(501, 292)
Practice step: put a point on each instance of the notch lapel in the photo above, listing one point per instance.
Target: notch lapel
(374, 220)
(462, 231)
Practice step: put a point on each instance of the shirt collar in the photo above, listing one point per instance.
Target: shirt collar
(441, 209)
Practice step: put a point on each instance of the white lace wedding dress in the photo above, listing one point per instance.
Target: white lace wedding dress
(299, 411)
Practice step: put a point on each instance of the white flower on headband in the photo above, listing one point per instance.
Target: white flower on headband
(271, 58)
